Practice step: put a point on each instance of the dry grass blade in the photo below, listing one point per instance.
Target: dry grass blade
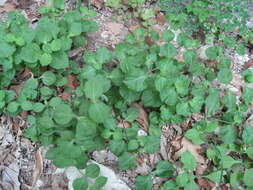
(38, 168)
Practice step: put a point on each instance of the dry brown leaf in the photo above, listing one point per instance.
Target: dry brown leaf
(160, 19)
(65, 96)
(7, 7)
(143, 117)
(205, 183)
(115, 28)
(134, 27)
(97, 3)
(194, 149)
(72, 82)
(126, 124)
(15, 126)
(38, 168)
(248, 64)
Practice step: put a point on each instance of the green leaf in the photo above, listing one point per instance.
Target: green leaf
(92, 171)
(75, 29)
(247, 135)
(117, 147)
(60, 60)
(169, 185)
(45, 59)
(26, 105)
(12, 107)
(6, 49)
(230, 101)
(136, 80)
(183, 109)
(151, 144)
(228, 134)
(196, 104)
(38, 107)
(132, 145)
(249, 152)
(99, 112)
(215, 176)
(103, 55)
(56, 45)
(143, 183)
(182, 85)
(151, 98)
(225, 75)
(212, 102)
(188, 160)
(241, 49)
(63, 114)
(169, 96)
(96, 86)
(100, 182)
(85, 128)
(247, 178)
(80, 184)
(48, 78)
(168, 50)
(30, 53)
(164, 169)
(228, 161)
(132, 114)
(168, 35)
(195, 136)
(213, 52)
(247, 95)
(182, 179)
(127, 161)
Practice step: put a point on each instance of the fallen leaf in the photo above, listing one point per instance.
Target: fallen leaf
(149, 41)
(72, 83)
(133, 28)
(248, 64)
(205, 183)
(139, 160)
(65, 96)
(7, 7)
(160, 19)
(143, 117)
(194, 149)
(115, 28)
(38, 168)
(15, 126)
(126, 124)
(97, 3)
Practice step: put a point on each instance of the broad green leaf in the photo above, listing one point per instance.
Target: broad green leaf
(100, 182)
(131, 114)
(26, 105)
(182, 179)
(128, 95)
(151, 144)
(38, 107)
(169, 185)
(213, 52)
(228, 134)
(6, 49)
(60, 60)
(247, 95)
(63, 114)
(247, 135)
(212, 102)
(196, 104)
(45, 59)
(228, 161)
(169, 96)
(182, 85)
(247, 178)
(249, 152)
(80, 184)
(96, 86)
(75, 29)
(168, 35)
(190, 56)
(235, 179)
(151, 98)
(143, 183)
(56, 45)
(30, 53)
(92, 170)
(225, 76)
(85, 128)
(188, 160)
(168, 50)
(12, 107)
(103, 55)
(229, 101)
(164, 169)
(241, 49)
(215, 176)
(183, 109)
(132, 145)
(127, 161)
(117, 147)
(48, 78)
(195, 136)
(99, 112)
(136, 80)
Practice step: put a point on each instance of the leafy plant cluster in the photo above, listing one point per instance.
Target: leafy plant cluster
(108, 86)
(210, 21)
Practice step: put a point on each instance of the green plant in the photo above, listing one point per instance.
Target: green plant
(103, 94)
(208, 20)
